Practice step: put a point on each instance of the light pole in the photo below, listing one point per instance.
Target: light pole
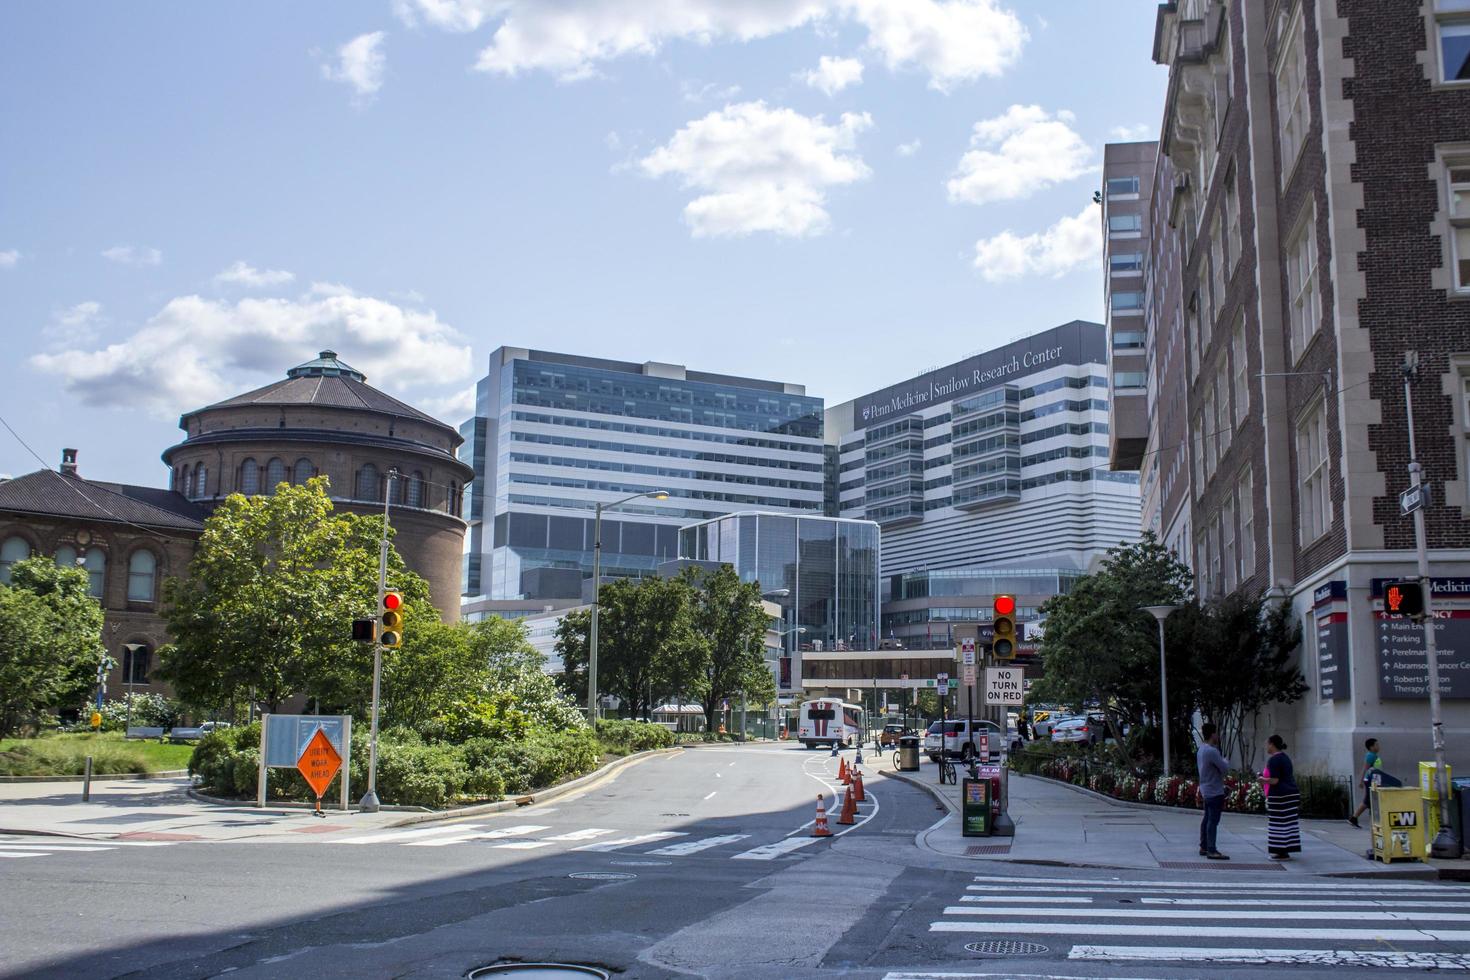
(597, 588)
(369, 802)
(1161, 612)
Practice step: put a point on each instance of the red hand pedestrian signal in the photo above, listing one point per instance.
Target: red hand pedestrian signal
(1404, 599)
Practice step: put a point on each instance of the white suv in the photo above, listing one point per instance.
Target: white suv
(957, 740)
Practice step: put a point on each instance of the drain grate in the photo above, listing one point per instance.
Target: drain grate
(1218, 866)
(673, 814)
(988, 849)
(1006, 947)
(601, 875)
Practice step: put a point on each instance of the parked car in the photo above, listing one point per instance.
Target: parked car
(889, 736)
(1044, 721)
(1089, 730)
(956, 740)
(196, 732)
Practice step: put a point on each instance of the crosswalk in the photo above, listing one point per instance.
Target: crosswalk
(1381, 924)
(15, 848)
(597, 840)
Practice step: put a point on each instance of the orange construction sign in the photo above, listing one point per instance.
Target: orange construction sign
(319, 763)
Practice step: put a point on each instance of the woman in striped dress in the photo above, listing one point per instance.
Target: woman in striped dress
(1283, 800)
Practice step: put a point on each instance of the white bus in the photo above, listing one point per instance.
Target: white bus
(828, 721)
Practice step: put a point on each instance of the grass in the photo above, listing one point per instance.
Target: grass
(65, 755)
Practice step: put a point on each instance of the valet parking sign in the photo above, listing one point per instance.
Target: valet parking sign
(1403, 668)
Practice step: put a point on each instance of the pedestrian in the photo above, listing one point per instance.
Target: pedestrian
(1212, 768)
(1283, 800)
(1371, 764)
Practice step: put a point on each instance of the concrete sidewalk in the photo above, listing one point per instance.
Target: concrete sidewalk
(1057, 824)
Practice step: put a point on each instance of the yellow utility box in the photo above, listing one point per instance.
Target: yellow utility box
(1429, 793)
(1398, 825)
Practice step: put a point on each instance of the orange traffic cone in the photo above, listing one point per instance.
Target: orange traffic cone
(819, 829)
(842, 770)
(857, 785)
(849, 809)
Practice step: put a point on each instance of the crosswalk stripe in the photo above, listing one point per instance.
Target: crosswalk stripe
(1366, 903)
(21, 854)
(695, 846)
(1324, 915)
(1233, 889)
(1033, 899)
(613, 845)
(54, 847)
(519, 831)
(769, 852)
(406, 835)
(1212, 886)
(1402, 959)
(1193, 931)
(587, 834)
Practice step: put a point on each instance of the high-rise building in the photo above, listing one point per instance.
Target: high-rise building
(1311, 228)
(555, 434)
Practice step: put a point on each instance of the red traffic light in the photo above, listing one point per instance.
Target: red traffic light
(392, 600)
(1005, 605)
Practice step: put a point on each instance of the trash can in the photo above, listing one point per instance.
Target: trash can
(908, 753)
(1429, 793)
(1460, 807)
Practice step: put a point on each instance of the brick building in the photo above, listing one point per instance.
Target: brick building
(1311, 203)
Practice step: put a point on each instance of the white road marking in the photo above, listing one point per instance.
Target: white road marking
(1193, 931)
(717, 775)
(1232, 889)
(613, 845)
(587, 834)
(1367, 903)
(1146, 885)
(1380, 959)
(1034, 899)
(402, 835)
(694, 846)
(712, 793)
(517, 831)
(52, 847)
(21, 854)
(769, 852)
(1323, 915)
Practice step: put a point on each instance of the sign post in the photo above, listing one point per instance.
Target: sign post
(286, 739)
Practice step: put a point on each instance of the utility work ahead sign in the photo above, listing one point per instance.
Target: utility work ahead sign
(1004, 685)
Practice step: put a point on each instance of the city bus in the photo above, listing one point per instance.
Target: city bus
(828, 721)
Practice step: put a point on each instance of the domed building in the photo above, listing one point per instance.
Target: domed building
(325, 420)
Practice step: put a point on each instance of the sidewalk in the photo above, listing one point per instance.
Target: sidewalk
(1057, 824)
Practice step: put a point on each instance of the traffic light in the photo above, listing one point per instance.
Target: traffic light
(391, 620)
(1404, 599)
(1003, 643)
(364, 630)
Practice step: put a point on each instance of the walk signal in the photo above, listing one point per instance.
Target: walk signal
(391, 620)
(1404, 599)
(1003, 643)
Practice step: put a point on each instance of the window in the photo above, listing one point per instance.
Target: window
(1203, 566)
(142, 569)
(250, 478)
(94, 561)
(200, 479)
(1239, 364)
(367, 483)
(1128, 340)
(1199, 458)
(1311, 467)
(1125, 224)
(302, 471)
(1130, 379)
(135, 663)
(66, 556)
(1222, 405)
(12, 550)
(414, 492)
(1123, 263)
(1232, 222)
(275, 474)
(1122, 185)
(1458, 174)
(1304, 314)
(1127, 302)
(1245, 503)
(1207, 422)
(1292, 115)
(1227, 546)
(1217, 268)
(1454, 42)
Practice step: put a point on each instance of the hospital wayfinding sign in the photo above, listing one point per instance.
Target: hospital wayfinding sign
(1004, 685)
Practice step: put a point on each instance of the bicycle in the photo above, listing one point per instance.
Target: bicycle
(947, 773)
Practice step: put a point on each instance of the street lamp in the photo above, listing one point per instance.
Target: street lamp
(1161, 612)
(596, 588)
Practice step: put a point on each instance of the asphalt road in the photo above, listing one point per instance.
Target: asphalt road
(698, 863)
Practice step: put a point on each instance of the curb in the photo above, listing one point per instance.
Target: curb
(249, 804)
(97, 777)
(921, 784)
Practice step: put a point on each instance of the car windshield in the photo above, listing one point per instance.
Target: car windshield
(934, 728)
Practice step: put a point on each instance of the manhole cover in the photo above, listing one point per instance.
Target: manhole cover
(641, 864)
(601, 875)
(539, 971)
(673, 814)
(1005, 947)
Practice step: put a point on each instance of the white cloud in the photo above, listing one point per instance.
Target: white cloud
(1018, 153)
(1070, 244)
(954, 41)
(832, 75)
(1131, 134)
(242, 273)
(8, 258)
(708, 92)
(74, 325)
(908, 149)
(452, 408)
(214, 349)
(761, 168)
(360, 64)
(133, 255)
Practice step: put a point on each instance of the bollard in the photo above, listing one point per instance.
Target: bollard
(834, 750)
(87, 781)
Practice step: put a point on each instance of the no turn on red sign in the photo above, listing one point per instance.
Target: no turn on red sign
(1004, 685)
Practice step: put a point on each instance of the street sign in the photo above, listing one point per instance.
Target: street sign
(1003, 685)
(943, 680)
(285, 739)
(1413, 499)
(967, 650)
(967, 674)
(319, 764)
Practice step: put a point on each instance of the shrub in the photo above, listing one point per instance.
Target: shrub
(626, 737)
(67, 757)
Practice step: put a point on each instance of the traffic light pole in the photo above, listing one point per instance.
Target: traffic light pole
(1444, 845)
(369, 803)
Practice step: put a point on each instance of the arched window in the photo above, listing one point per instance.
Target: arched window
(12, 550)
(201, 474)
(66, 556)
(452, 504)
(142, 573)
(302, 471)
(275, 474)
(135, 657)
(367, 483)
(414, 492)
(95, 563)
(250, 478)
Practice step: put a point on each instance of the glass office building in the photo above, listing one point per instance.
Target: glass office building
(554, 434)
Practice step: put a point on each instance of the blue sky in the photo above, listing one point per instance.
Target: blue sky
(194, 197)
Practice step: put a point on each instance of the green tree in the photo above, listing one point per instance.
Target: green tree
(518, 669)
(52, 645)
(730, 623)
(265, 609)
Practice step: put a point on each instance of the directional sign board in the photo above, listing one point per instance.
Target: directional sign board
(1413, 499)
(319, 763)
(1004, 685)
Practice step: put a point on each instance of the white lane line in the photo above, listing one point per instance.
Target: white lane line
(53, 847)
(517, 831)
(694, 846)
(1192, 931)
(1323, 915)
(522, 845)
(1366, 903)
(587, 834)
(1231, 890)
(613, 845)
(1315, 957)
(22, 854)
(1007, 975)
(1279, 886)
(769, 852)
(1034, 899)
(402, 835)
(731, 764)
(712, 793)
